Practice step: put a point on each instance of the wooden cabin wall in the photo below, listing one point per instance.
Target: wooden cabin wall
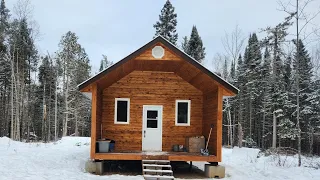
(210, 117)
(150, 88)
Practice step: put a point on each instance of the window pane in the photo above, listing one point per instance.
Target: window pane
(183, 112)
(152, 123)
(122, 111)
(152, 114)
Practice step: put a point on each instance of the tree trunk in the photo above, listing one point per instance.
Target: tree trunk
(55, 110)
(65, 127)
(240, 135)
(274, 132)
(263, 126)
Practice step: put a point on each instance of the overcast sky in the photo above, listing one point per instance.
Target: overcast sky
(118, 27)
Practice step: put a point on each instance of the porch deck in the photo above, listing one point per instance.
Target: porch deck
(142, 155)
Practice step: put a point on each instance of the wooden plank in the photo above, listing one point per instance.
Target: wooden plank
(118, 156)
(172, 156)
(192, 158)
(93, 120)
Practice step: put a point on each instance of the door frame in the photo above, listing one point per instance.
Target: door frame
(144, 122)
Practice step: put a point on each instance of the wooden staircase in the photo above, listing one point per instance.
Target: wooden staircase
(157, 170)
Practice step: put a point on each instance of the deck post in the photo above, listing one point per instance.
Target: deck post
(93, 120)
(219, 124)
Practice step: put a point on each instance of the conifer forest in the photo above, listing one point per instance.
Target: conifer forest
(276, 68)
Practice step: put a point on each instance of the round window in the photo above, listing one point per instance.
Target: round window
(158, 52)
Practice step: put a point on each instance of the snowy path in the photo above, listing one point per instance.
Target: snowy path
(66, 158)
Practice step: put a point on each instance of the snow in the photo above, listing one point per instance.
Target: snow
(244, 163)
(66, 158)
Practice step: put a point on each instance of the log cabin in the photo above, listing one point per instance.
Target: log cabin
(154, 99)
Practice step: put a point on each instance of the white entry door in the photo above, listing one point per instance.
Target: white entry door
(152, 128)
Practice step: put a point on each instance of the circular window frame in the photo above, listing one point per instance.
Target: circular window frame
(158, 52)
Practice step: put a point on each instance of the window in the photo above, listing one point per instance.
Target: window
(183, 112)
(122, 111)
(152, 119)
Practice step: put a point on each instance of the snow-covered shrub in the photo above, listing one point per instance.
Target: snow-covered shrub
(287, 129)
(249, 142)
(283, 156)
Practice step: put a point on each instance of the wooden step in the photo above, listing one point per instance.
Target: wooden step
(158, 177)
(157, 171)
(157, 165)
(155, 162)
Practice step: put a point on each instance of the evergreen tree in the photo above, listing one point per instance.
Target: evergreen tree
(5, 70)
(240, 103)
(105, 63)
(303, 70)
(76, 69)
(24, 56)
(266, 101)
(166, 26)
(46, 91)
(184, 44)
(252, 63)
(195, 46)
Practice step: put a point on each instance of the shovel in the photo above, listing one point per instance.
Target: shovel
(205, 152)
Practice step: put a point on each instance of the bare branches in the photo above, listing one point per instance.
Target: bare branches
(305, 16)
(217, 62)
(23, 9)
(233, 43)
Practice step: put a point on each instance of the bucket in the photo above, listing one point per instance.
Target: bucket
(111, 145)
(175, 148)
(103, 146)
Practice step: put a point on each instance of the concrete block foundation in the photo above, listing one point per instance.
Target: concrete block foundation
(96, 167)
(213, 171)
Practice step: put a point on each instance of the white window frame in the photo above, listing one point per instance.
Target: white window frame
(116, 109)
(189, 112)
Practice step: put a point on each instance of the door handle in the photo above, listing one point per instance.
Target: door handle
(144, 133)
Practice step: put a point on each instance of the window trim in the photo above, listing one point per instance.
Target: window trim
(189, 113)
(116, 110)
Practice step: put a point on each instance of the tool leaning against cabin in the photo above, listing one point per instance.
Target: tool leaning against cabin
(205, 152)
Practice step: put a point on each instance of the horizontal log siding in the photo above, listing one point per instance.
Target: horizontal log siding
(151, 88)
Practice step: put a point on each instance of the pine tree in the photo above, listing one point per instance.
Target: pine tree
(184, 44)
(266, 101)
(76, 69)
(166, 26)
(252, 64)
(303, 69)
(5, 70)
(24, 57)
(240, 106)
(195, 46)
(105, 63)
(46, 91)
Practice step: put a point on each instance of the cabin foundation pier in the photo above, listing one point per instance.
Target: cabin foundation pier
(96, 167)
(214, 171)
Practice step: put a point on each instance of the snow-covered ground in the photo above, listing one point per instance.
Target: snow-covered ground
(66, 158)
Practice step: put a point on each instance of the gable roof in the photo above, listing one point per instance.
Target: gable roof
(176, 50)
